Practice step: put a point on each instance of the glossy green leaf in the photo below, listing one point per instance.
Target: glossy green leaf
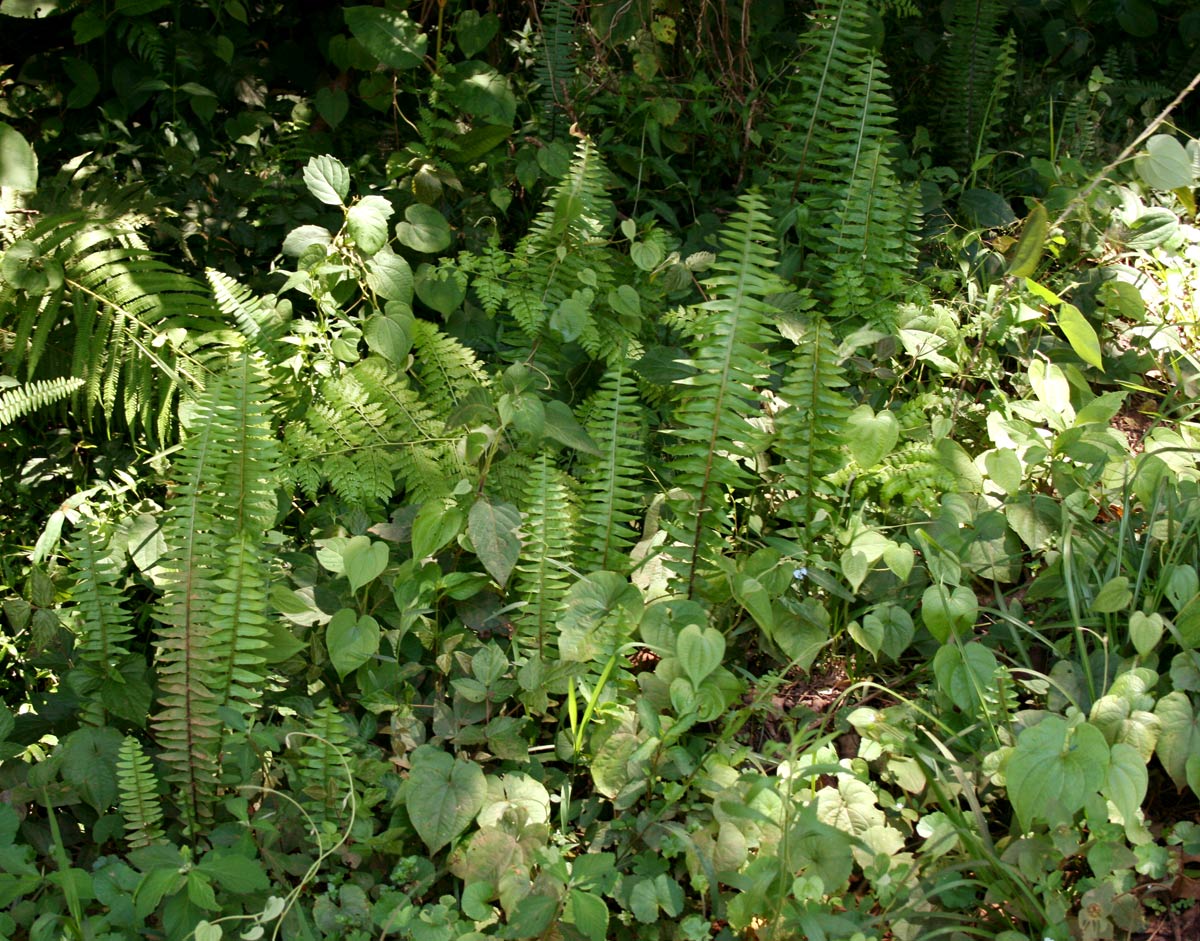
(424, 229)
(700, 651)
(1165, 165)
(871, 436)
(1080, 334)
(1179, 736)
(965, 674)
(363, 560)
(367, 223)
(946, 611)
(18, 162)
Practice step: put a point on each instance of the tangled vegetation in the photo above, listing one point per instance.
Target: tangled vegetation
(584, 470)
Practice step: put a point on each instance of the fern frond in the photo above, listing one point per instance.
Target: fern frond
(970, 75)
(809, 429)
(89, 294)
(321, 769)
(16, 402)
(554, 70)
(543, 570)
(447, 373)
(104, 629)
(213, 611)
(138, 790)
(612, 503)
(716, 437)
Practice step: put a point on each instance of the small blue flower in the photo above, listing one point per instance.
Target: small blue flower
(800, 574)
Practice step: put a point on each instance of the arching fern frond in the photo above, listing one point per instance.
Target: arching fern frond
(972, 75)
(18, 401)
(86, 299)
(321, 769)
(845, 201)
(717, 440)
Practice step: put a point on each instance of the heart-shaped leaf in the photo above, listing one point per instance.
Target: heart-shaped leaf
(948, 611)
(443, 795)
(424, 229)
(363, 560)
(871, 437)
(351, 640)
(367, 223)
(700, 650)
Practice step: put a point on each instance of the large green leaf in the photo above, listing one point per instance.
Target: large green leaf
(327, 179)
(18, 162)
(442, 795)
(389, 35)
(1054, 769)
(351, 640)
(493, 528)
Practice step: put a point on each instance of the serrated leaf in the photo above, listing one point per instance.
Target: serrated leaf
(424, 229)
(1080, 334)
(493, 528)
(327, 179)
(367, 223)
(389, 35)
(1028, 253)
(351, 640)
(442, 795)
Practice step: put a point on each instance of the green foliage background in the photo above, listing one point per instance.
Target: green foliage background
(598, 470)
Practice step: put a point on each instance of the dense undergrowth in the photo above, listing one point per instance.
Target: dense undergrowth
(598, 470)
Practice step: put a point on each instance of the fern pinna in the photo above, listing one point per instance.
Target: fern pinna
(213, 612)
(718, 444)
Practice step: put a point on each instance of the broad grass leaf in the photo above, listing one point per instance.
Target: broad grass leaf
(443, 795)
